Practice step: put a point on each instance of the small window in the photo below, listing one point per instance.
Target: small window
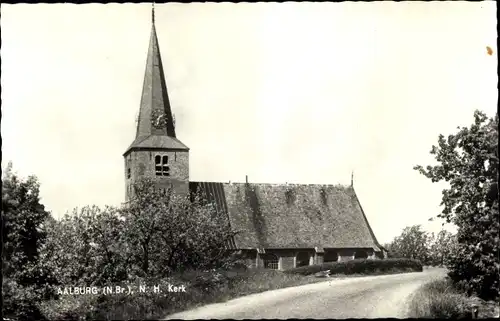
(324, 196)
(165, 167)
(161, 165)
(290, 196)
(271, 261)
(158, 165)
(128, 172)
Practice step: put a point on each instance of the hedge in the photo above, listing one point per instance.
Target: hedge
(361, 266)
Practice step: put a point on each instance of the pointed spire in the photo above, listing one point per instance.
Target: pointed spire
(153, 13)
(155, 115)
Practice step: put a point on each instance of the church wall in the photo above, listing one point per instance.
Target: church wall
(319, 259)
(288, 257)
(350, 254)
(249, 258)
(142, 164)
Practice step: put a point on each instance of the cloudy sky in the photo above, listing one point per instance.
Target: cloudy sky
(288, 92)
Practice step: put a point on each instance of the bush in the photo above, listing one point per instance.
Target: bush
(468, 162)
(138, 305)
(439, 299)
(202, 287)
(27, 276)
(361, 266)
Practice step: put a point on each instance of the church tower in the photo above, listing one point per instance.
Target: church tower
(156, 152)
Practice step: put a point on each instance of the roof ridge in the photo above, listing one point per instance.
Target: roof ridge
(344, 186)
(294, 184)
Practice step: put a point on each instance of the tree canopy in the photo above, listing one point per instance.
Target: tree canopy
(468, 162)
(157, 233)
(27, 278)
(413, 243)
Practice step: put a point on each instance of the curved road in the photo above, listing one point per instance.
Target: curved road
(383, 296)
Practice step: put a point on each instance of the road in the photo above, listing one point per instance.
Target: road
(383, 296)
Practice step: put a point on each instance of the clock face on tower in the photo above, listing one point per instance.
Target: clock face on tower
(158, 119)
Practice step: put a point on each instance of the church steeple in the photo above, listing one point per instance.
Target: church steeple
(155, 115)
(156, 152)
(153, 13)
(155, 123)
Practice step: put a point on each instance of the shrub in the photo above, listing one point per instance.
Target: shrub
(202, 287)
(439, 299)
(27, 275)
(468, 163)
(361, 266)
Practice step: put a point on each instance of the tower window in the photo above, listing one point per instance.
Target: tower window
(128, 172)
(161, 166)
(158, 165)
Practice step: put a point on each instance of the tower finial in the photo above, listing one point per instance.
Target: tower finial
(153, 13)
(352, 178)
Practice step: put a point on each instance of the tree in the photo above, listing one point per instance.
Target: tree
(26, 279)
(468, 161)
(169, 232)
(441, 247)
(88, 247)
(412, 244)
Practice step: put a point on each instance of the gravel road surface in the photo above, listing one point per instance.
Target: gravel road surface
(384, 296)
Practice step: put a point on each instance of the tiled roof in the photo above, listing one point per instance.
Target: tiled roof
(291, 216)
(156, 142)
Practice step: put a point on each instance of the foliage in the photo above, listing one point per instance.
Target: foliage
(202, 287)
(442, 247)
(443, 300)
(413, 243)
(88, 247)
(362, 266)
(27, 278)
(439, 299)
(158, 232)
(468, 161)
(168, 232)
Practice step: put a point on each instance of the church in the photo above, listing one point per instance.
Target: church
(280, 226)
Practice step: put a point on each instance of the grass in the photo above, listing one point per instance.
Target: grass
(441, 299)
(202, 287)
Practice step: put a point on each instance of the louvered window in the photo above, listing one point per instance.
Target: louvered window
(161, 165)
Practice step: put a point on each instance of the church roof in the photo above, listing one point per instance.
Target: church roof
(291, 216)
(156, 142)
(155, 124)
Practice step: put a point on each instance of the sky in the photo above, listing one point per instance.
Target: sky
(281, 92)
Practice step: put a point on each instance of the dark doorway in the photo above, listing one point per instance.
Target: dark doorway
(302, 259)
(360, 254)
(271, 261)
(331, 256)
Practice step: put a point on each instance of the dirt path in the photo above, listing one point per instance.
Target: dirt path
(365, 297)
